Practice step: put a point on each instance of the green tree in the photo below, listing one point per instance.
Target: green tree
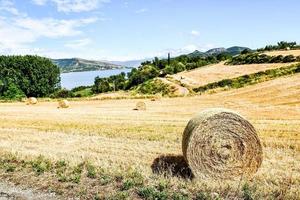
(33, 75)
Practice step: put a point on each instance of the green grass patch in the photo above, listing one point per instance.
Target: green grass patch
(86, 92)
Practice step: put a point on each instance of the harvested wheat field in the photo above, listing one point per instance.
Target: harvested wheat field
(121, 149)
(283, 53)
(217, 72)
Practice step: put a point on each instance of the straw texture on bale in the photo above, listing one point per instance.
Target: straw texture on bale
(221, 144)
(140, 106)
(63, 104)
(31, 101)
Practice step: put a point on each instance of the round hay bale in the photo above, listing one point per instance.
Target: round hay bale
(221, 144)
(32, 101)
(63, 104)
(140, 106)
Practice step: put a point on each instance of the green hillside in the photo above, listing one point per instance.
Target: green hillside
(79, 65)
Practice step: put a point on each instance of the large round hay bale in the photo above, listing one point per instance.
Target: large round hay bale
(140, 106)
(221, 144)
(31, 101)
(63, 104)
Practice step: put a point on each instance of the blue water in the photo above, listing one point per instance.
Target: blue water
(75, 79)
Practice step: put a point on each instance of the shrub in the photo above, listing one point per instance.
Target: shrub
(153, 87)
(40, 165)
(13, 92)
(247, 194)
(152, 193)
(91, 171)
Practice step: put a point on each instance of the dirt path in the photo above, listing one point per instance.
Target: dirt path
(9, 191)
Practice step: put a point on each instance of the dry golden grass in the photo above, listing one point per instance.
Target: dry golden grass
(284, 53)
(213, 73)
(110, 134)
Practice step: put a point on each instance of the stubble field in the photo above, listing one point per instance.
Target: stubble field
(111, 135)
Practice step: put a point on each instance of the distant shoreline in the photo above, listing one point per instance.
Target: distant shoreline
(66, 72)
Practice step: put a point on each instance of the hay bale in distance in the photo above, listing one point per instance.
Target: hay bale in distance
(63, 104)
(140, 106)
(32, 101)
(221, 144)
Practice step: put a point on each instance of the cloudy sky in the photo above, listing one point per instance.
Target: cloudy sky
(134, 29)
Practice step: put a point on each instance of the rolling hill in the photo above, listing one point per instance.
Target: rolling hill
(283, 53)
(78, 65)
(235, 50)
(213, 73)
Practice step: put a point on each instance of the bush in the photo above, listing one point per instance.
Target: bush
(152, 193)
(80, 88)
(13, 92)
(169, 70)
(153, 87)
(63, 93)
(179, 67)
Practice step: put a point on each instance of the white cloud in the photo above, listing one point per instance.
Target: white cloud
(52, 28)
(73, 5)
(78, 43)
(18, 33)
(13, 37)
(195, 33)
(8, 6)
(142, 10)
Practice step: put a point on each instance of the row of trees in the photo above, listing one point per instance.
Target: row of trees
(280, 46)
(256, 58)
(151, 69)
(22, 76)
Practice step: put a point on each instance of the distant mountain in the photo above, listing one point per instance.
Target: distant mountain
(215, 51)
(197, 54)
(129, 63)
(235, 50)
(79, 65)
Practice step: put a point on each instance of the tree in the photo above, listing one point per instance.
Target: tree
(101, 85)
(33, 75)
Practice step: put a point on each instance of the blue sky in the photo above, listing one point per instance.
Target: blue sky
(134, 29)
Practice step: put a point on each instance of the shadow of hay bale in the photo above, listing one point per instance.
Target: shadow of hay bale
(172, 165)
